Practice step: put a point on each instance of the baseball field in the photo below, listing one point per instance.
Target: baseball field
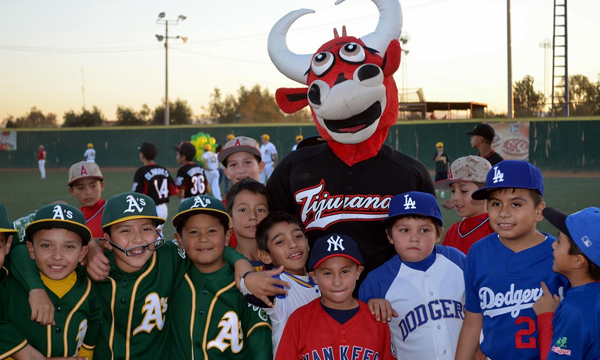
(23, 192)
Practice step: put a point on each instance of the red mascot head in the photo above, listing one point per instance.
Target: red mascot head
(351, 91)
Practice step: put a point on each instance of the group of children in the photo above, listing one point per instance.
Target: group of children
(489, 290)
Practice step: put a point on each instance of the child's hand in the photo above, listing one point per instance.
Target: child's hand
(448, 204)
(382, 309)
(96, 263)
(262, 284)
(42, 309)
(546, 303)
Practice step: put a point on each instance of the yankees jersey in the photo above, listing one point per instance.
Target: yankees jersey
(77, 316)
(191, 180)
(302, 290)
(502, 286)
(211, 320)
(312, 334)
(428, 296)
(154, 181)
(329, 196)
(576, 324)
(210, 160)
(93, 217)
(135, 306)
(465, 233)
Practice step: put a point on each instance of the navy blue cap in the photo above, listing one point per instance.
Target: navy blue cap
(334, 245)
(414, 203)
(507, 174)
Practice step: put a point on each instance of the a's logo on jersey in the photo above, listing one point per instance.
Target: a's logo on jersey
(498, 175)
(337, 242)
(231, 334)
(83, 171)
(59, 213)
(199, 202)
(80, 335)
(586, 241)
(560, 347)
(134, 203)
(154, 310)
(409, 203)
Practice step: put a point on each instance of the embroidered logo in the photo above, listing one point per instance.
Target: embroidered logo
(586, 241)
(199, 202)
(560, 347)
(498, 175)
(409, 203)
(337, 242)
(83, 171)
(134, 203)
(60, 214)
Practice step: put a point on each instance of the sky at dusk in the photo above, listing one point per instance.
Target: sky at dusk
(51, 50)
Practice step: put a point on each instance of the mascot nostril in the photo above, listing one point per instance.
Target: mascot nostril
(340, 79)
(314, 94)
(368, 72)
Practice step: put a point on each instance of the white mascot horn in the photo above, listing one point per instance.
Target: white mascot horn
(295, 66)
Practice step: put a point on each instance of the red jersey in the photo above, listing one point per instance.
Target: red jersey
(93, 217)
(465, 233)
(233, 241)
(311, 333)
(41, 155)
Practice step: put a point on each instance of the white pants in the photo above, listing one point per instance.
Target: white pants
(212, 176)
(162, 211)
(266, 174)
(42, 165)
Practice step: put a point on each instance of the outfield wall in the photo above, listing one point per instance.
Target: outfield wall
(559, 144)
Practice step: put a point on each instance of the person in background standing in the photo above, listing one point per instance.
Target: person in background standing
(269, 156)
(90, 154)
(442, 162)
(482, 136)
(298, 139)
(41, 157)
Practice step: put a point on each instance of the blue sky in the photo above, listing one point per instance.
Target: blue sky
(457, 48)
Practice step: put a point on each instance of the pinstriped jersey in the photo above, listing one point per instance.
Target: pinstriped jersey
(77, 316)
(135, 305)
(428, 296)
(211, 320)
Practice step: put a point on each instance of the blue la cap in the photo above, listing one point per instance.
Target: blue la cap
(582, 227)
(510, 174)
(334, 245)
(414, 203)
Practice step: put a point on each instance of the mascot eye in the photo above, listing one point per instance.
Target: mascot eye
(353, 53)
(322, 62)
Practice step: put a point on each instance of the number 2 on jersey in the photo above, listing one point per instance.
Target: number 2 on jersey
(163, 192)
(520, 341)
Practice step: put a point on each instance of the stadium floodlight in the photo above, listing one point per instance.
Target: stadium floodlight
(161, 15)
(182, 17)
(159, 37)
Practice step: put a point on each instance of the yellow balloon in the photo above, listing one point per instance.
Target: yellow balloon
(212, 140)
(202, 141)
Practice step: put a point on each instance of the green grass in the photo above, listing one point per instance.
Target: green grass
(23, 192)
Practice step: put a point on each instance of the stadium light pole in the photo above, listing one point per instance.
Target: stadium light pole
(161, 20)
(511, 99)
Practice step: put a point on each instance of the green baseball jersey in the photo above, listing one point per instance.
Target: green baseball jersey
(211, 320)
(11, 340)
(134, 322)
(77, 318)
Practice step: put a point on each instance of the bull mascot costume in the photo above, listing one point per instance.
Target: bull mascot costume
(345, 185)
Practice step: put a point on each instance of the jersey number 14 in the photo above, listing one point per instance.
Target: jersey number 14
(163, 191)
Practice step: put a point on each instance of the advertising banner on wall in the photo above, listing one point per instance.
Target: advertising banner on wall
(8, 140)
(512, 140)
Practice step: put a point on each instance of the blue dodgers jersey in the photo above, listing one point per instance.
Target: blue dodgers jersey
(503, 286)
(576, 324)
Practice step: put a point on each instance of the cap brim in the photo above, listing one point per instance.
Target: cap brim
(157, 220)
(234, 149)
(176, 148)
(83, 231)
(5, 230)
(334, 255)
(557, 219)
(182, 216)
(469, 133)
(101, 178)
(445, 184)
(484, 193)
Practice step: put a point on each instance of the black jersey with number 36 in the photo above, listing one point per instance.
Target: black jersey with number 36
(192, 180)
(154, 181)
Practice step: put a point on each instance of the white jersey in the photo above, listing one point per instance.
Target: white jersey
(210, 160)
(429, 297)
(302, 290)
(90, 155)
(268, 152)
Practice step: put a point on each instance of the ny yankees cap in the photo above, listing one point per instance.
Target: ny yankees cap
(518, 174)
(5, 224)
(149, 150)
(201, 204)
(483, 130)
(186, 149)
(583, 227)
(414, 203)
(59, 216)
(129, 206)
(239, 144)
(467, 169)
(334, 245)
(84, 170)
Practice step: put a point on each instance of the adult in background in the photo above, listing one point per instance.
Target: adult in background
(482, 136)
(41, 157)
(90, 154)
(298, 139)
(269, 156)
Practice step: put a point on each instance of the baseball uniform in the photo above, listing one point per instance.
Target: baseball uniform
(90, 155)
(493, 157)
(41, 157)
(312, 334)
(156, 182)
(191, 179)
(465, 233)
(268, 152)
(211, 320)
(441, 166)
(502, 286)
(11, 341)
(363, 194)
(93, 217)
(429, 298)
(211, 164)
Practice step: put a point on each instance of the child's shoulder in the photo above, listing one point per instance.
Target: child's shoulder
(451, 253)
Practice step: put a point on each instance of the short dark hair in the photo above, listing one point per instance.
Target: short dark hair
(593, 269)
(179, 228)
(149, 150)
(534, 193)
(258, 158)
(266, 224)
(249, 185)
(436, 223)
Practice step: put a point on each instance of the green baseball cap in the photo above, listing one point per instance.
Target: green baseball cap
(59, 216)
(5, 224)
(129, 206)
(201, 204)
